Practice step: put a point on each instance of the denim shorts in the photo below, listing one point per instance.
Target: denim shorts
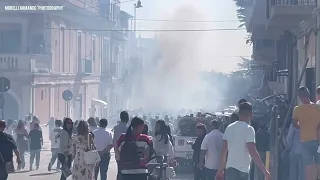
(235, 174)
(309, 152)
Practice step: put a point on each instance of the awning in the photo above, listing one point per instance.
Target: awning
(99, 102)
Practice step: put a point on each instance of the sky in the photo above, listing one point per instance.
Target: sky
(222, 49)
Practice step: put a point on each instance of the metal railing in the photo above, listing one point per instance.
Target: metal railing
(293, 2)
(271, 3)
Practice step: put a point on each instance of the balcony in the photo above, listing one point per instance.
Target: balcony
(36, 63)
(264, 50)
(85, 66)
(288, 14)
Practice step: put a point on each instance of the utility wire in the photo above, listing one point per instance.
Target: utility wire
(186, 21)
(154, 30)
(121, 2)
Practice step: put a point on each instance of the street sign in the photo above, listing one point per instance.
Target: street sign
(67, 95)
(4, 84)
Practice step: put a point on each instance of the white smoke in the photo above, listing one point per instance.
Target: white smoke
(175, 82)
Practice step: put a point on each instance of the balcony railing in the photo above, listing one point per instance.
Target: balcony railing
(292, 2)
(272, 3)
(85, 66)
(25, 62)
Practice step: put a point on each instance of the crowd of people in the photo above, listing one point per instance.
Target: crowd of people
(227, 155)
(218, 154)
(71, 140)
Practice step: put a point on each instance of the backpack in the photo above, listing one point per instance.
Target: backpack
(129, 155)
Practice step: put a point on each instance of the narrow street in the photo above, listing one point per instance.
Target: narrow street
(42, 172)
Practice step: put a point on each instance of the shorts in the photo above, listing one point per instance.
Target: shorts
(235, 174)
(309, 153)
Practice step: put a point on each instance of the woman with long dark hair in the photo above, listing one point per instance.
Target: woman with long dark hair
(162, 142)
(65, 149)
(134, 151)
(22, 141)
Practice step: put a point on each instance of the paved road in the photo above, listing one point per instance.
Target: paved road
(42, 173)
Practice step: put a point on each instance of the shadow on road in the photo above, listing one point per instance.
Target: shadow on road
(44, 174)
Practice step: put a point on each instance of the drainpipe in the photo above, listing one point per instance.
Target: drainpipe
(318, 45)
(32, 95)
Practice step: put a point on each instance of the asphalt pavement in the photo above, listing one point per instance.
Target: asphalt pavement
(43, 174)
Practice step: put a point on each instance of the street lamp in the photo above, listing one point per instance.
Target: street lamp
(136, 6)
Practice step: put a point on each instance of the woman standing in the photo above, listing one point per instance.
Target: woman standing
(65, 149)
(82, 143)
(134, 151)
(22, 141)
(162, 142)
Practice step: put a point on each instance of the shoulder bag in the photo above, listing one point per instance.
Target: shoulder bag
(92, 156)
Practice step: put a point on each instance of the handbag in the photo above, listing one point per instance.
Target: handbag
(92, 156)
(9, 166)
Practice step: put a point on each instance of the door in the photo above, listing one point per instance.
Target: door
(310, 82)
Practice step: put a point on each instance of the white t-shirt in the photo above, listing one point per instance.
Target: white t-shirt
(54, 136)
(102, 138)
(163, 149)
(238, 134)
(212, 143)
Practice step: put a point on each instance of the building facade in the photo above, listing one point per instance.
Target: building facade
(44, 53)
(283, 36)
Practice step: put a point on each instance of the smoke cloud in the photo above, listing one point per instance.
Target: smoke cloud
(174, 81)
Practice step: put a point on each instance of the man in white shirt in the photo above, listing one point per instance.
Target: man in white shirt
(239, 145)
(103, 142)
(211, 148)
(54, 137)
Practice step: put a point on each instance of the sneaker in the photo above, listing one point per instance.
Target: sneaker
(37, 167)
(19, 167)
(30, 167)
(49, 167)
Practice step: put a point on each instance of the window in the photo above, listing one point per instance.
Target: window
(37, 44)
(104, 54)
(41, 94)
(10, 41)
(79, 53)
(93, 48)
(63, 47)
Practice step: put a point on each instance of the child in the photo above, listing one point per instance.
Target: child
(36, 142)
(55, 143)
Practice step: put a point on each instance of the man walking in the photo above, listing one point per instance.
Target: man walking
(307, 117)
(211, 148)
(118, 130)
(55, 144)
(103, 142)
(239, 145)
(8, 146)
(36, 142)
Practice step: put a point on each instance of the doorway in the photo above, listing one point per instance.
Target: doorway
(311, 82)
